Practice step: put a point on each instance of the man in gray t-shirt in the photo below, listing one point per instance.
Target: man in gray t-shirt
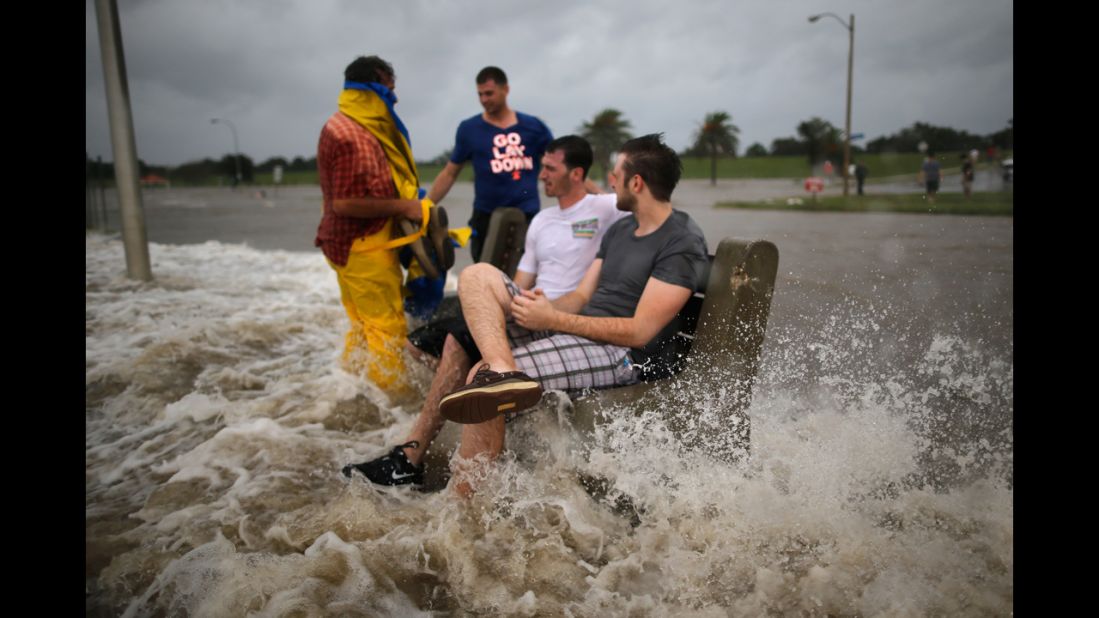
(646, 269)
(670, 254)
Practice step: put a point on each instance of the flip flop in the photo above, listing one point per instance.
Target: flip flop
(437, 230)
(435, 244)
(419, 247)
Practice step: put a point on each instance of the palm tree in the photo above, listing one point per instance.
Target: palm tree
(819, 135)
(606, 133)
(716, 135)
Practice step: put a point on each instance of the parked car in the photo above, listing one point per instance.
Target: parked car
(1007, 165)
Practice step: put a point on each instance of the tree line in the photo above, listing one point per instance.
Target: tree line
(817, 139)
(196, 172)
(714, 137)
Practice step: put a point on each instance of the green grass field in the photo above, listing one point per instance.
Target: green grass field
(1000, 203)
(882, 167)
(288, 178)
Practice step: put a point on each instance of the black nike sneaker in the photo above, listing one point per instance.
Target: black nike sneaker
(391, 469)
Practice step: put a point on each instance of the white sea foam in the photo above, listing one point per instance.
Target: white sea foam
(217, 419)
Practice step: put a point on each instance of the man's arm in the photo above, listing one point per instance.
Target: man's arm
(575, 300)
(658, 305)
(444, 181)
(526, 273)
(524, 279)
(373, 207)
(593, 188)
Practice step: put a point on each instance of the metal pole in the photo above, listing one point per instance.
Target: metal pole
(122, 142)
(236, 146)
(101, 190)
(847, 141)
(89, 205)
(850, 64)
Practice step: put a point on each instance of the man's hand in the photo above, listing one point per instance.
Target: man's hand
(532, 310)
(444, 180)
(414, 209)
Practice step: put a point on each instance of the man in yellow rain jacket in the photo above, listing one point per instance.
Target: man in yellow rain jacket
(368, 177)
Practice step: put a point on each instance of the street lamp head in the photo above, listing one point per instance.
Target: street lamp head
(849, 26)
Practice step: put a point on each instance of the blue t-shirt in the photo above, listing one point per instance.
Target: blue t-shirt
(931, 170)
(506, 162)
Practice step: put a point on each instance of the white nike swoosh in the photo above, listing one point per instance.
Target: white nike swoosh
(397, 477)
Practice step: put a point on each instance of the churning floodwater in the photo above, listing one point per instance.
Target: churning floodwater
(879, 482)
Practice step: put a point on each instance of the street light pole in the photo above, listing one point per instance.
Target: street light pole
(123, 144)
(850, 65)
(236, 147)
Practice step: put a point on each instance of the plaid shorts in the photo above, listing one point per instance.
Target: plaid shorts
(560, 361)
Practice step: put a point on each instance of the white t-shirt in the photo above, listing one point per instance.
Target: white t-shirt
(561, 244)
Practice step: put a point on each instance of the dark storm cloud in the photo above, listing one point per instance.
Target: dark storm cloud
(275, 68)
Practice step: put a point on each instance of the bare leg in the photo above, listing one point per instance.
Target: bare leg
(430, 361)
(453, 366)
(481, 443)
(486, 304)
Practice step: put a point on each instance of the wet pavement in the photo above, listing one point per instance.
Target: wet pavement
(286, 217)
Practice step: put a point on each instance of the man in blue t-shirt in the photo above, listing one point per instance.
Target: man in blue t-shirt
(506, 148)
(931, 173)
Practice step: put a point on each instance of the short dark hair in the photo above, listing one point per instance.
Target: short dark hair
(577, 152)
(656, 163)
(368, 69)
(496, 74)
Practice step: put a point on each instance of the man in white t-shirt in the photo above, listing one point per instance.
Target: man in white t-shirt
(562, 241)
(560, 246)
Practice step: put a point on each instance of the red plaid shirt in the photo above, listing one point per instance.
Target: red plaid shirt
(350, 164)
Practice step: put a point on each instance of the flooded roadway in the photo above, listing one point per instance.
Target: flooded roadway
(216, 423)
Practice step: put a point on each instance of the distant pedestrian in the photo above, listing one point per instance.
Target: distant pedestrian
(967, 175)
(860, 175)
(930, 174)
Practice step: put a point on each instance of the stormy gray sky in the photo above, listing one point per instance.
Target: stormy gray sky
(275, 67)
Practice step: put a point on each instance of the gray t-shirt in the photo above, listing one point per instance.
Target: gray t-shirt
(675, 253)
